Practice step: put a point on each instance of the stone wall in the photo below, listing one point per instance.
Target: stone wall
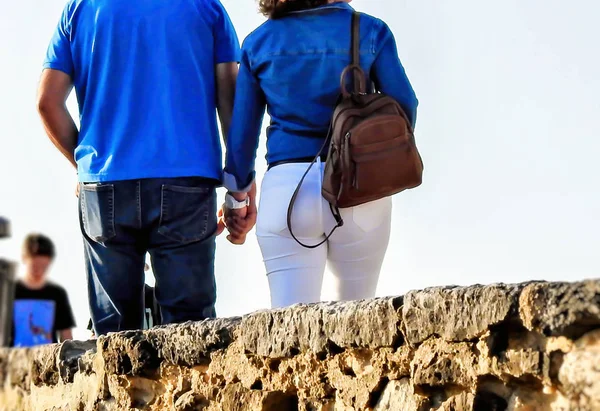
(532, 347)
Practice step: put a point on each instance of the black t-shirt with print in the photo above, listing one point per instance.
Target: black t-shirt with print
(39, 314)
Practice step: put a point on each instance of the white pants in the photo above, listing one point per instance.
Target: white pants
(355, 252)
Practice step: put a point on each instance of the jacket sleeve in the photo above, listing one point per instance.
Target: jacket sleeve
(388, 73)
(244, 132)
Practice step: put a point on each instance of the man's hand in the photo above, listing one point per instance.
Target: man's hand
(220, 222)
(225, 214)
(234, 221)
(64, 335)
(240, 222)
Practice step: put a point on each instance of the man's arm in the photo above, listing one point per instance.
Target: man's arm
(55, 87)
(226, 75)
(226, 58)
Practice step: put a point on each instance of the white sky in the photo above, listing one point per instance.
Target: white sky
(508, 127)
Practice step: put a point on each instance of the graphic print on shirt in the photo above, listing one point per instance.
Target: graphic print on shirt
(34, 322)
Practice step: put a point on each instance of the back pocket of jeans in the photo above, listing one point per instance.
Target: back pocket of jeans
(97, 211)
(187, 214)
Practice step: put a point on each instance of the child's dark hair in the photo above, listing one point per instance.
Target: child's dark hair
(38, 245)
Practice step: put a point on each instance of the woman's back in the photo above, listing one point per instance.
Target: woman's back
(292, 65)
(297, 61)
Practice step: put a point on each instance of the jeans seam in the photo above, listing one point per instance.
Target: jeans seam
(82, 208)
(163, 206)
(139, 203)
(111, 212)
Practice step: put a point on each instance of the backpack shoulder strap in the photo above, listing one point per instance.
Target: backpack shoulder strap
(359, 79)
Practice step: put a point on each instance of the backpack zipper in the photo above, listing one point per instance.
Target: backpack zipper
(347, 147)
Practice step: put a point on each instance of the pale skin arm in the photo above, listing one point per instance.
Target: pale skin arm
(64, 335)
(55, 86)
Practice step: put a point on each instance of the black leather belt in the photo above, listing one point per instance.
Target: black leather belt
(323, 158)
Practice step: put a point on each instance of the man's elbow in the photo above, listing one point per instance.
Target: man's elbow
(225, 106)
(46, 104)
(53, 90)
(226, 97)
(226, 77)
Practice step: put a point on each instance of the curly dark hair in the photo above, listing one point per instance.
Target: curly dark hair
(38, 245)
(278, 8)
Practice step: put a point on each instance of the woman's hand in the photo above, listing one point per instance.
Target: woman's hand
(235, 220)
(240, 222)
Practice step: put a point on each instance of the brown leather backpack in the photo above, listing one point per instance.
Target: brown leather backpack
(372, 151)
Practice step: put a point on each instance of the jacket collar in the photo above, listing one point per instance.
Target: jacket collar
(341, 5)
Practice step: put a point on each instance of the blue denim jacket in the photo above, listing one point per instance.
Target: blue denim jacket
(292, 66)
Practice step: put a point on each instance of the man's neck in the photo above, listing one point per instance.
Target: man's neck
(32, 283)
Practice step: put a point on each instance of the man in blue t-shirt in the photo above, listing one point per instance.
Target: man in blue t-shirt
(149, 76)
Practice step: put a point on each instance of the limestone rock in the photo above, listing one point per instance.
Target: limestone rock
(530, 399)
(465, 401)
(323, 327)
(580, 372)
(568, 309)
(190, 343)
(400, 395)
(440, 363)
(530, 347)
(132, 352)
(238, 398)
(72, 358)
(456, 313)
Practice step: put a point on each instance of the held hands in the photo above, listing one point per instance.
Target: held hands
(238, 222)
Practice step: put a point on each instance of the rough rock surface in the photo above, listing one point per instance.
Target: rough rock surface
(527, 347)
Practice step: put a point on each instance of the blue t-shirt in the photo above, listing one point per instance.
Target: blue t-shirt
(144, 75)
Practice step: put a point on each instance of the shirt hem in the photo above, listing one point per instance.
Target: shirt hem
(234, 59)
(122, 176)
(57, 66)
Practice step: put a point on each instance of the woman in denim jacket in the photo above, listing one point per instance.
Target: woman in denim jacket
(291, 66)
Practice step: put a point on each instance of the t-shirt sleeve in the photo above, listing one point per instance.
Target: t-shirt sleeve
(58, 55)
(227, 44)
(64, 313)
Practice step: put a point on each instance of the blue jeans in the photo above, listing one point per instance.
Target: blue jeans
(174, 220)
